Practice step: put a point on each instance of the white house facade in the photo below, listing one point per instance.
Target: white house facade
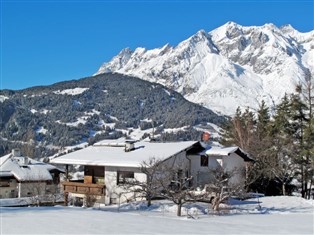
(110, 163)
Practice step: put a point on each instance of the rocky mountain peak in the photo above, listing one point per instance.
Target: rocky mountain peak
(287, 28)
(227, 67)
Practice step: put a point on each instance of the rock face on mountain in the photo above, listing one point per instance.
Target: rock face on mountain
(230, 66)
(42, 120)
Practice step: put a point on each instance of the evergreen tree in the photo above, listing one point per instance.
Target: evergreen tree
(303, 107)
(263, 120)
(284, 152)
(240, 130)
(308, 152)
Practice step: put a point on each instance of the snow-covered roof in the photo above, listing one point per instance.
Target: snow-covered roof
(25, 168)
(5, 174)
(112, 153)
(226, 151)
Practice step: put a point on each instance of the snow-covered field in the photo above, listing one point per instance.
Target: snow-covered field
(268, 215)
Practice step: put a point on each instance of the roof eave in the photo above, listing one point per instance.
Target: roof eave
(244, 155)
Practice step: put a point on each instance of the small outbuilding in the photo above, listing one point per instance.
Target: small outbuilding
(21, 176)
(231, 159)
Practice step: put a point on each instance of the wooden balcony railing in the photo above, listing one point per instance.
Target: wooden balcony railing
(84, 188)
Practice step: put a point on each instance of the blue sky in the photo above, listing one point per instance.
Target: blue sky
(44, 42)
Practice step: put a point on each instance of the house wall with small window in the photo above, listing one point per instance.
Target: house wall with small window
(235, 164)
(115, 181)
(201, 166)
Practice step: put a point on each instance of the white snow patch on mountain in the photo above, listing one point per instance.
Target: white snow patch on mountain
(101, 123)
(37, 95)
(175, 130)
(75, 91)
(96, 112)
(33, 111)
(80, 120)
(112, 117)
(137, 133)
(41, 130)
(45, 111)
(3, 98)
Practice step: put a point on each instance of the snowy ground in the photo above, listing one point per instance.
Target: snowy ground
(272, 215)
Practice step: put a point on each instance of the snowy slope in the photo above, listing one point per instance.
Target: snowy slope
(228, 67)
(278, 215)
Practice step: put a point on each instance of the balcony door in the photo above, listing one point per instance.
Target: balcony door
(94, 175)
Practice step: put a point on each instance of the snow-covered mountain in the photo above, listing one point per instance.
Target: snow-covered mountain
(230, 66)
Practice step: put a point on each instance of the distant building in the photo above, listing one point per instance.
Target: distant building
(108, 164)
(21, 176)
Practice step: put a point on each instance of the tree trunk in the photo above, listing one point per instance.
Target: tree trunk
(284, 189)
(216, 203)
(149, 202)
(302, 182)
(306, 180)
(310, 189)
(179, 206)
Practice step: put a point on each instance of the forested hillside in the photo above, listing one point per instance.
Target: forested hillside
(41, 120)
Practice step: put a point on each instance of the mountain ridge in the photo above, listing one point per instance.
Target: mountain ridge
(227, 67)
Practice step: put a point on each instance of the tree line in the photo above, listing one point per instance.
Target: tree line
(280, 140)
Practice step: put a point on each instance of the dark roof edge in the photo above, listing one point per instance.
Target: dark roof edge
(246, 157)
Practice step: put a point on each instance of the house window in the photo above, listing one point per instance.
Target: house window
(204, 160)
(124, 176)
(4, 183)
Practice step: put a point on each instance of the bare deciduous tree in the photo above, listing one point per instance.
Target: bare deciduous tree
(221, 187)
(165, 179)
(176, 185)
(149, 188)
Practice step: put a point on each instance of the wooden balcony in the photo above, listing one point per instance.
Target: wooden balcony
(84, 188)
